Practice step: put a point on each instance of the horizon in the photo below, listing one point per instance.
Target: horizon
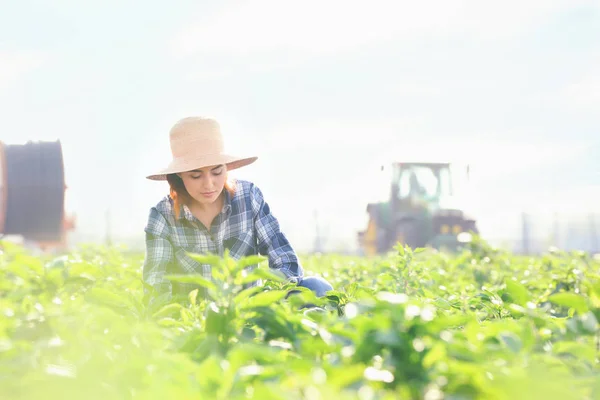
(321, 94)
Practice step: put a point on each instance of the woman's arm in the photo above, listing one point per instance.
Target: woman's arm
(271, 241)
(159, 254)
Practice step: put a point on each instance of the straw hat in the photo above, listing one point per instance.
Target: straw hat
(196, 142)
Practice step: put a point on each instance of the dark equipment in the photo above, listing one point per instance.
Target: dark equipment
(415, 214)
(32, 192)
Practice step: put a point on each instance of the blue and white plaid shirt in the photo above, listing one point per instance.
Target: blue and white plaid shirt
(245, 226)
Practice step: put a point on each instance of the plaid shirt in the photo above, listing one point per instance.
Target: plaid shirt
(245, 226)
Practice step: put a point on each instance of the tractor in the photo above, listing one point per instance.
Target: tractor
(417, 212)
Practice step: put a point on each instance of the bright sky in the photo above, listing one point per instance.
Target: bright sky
(320, 91)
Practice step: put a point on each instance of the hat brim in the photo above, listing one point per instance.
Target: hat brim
(177, 166)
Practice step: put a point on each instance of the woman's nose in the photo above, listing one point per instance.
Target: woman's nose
(207, 182)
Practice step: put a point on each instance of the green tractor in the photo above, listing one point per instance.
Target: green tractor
(418, 212)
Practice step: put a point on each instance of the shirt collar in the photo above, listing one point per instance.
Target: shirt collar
(185, 212)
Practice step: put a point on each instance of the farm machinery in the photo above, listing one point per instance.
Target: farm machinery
(417, 212)
(32, 195)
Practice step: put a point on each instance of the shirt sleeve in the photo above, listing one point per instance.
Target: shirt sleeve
(272, 242)
(159, 254)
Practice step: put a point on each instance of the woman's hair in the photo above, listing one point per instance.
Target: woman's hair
(180, 195)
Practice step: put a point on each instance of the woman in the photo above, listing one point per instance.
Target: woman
(207, 211)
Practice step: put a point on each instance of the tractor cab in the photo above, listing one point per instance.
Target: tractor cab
(422, 208)
(420, 185)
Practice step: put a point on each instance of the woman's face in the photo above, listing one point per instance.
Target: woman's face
(205, 184)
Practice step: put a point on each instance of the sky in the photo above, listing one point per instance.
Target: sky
(321, 92)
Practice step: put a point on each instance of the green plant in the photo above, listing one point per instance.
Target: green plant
(481, 324)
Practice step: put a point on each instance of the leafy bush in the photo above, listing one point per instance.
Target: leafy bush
(482, 324)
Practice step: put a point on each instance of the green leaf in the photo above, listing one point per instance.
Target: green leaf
(305, 296)
(589, 322)
(55, 276)
(594, 292)
(250, 260)
(435, 355)
(578, 350)
(262, 273)
(193, 297)
(337, 296)
(571, 300)
(351, 374)
(110, 299)
(400, 249)
(241, 268)
(517, 292)
(386, 278)
(85, 270)
(211, 259)
(216, 320)
(264, 299)
(170, 323)
(196, 279)
(512, 341)
(167, 311)
(244, 294)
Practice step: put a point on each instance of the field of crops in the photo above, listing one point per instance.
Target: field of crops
(482, 324)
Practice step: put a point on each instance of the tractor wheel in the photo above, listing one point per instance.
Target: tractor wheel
(409, 233)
